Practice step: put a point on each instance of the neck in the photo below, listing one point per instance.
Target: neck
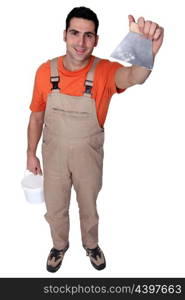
(73, 65)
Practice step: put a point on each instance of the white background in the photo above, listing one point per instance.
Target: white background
(141, 205)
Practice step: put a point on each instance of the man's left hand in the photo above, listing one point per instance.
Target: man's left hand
(150, 30)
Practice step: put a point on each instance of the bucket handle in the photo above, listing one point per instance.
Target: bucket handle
(27, 172)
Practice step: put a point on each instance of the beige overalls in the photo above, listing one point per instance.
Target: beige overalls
(72, 152)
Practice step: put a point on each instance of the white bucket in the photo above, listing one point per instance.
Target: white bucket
(33, 187)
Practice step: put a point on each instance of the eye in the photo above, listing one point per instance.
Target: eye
(74, 32)
(89, 35)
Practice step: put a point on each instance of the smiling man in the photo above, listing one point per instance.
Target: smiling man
(81, 38)
(71, 97)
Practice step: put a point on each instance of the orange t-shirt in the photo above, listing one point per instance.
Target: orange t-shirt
(72, 83)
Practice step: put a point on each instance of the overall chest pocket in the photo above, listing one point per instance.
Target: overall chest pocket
(71, 113)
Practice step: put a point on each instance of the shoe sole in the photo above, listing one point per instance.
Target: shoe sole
(100, 267)
(53, 269)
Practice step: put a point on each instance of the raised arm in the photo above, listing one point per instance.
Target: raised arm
(128, 76)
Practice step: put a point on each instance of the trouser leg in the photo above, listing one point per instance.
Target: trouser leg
(89, 219)
(57, 192)
(87, 180)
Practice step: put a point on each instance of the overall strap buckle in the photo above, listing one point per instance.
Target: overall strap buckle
(90, 78)
(88, 86)
(54, 80)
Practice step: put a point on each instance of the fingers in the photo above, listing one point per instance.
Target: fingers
(149, 29)
(38, 170)
(141, 24)
(152, 30)
(33, 165)
(158, 33)
(131, 19)
(35, 171)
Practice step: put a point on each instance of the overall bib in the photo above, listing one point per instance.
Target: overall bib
(72, 152)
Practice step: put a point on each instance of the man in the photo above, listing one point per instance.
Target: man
(71, 98)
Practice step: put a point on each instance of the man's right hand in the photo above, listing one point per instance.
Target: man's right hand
(33, 164)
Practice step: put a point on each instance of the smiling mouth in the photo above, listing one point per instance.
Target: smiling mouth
(80, 51)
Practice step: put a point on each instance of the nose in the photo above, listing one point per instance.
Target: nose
(81, 40)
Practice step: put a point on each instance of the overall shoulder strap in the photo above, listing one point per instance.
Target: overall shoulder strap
(54, 78)
(90, 78)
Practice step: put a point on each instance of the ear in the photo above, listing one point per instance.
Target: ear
(96, 40)
(64, 35)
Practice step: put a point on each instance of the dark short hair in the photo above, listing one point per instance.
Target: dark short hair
(84, 13)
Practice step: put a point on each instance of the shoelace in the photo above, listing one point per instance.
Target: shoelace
(55, 253)
(94, 252)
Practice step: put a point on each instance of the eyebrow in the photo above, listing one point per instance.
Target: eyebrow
(88, 32)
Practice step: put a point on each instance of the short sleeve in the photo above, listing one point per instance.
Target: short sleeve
(40, 89)
(105, 78)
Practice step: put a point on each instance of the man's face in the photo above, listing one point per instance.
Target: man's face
(80, 39)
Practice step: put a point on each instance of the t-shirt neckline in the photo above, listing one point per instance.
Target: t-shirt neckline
(67, 72)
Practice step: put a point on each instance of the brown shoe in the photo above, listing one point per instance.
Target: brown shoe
(55, 259)
(97, 257)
